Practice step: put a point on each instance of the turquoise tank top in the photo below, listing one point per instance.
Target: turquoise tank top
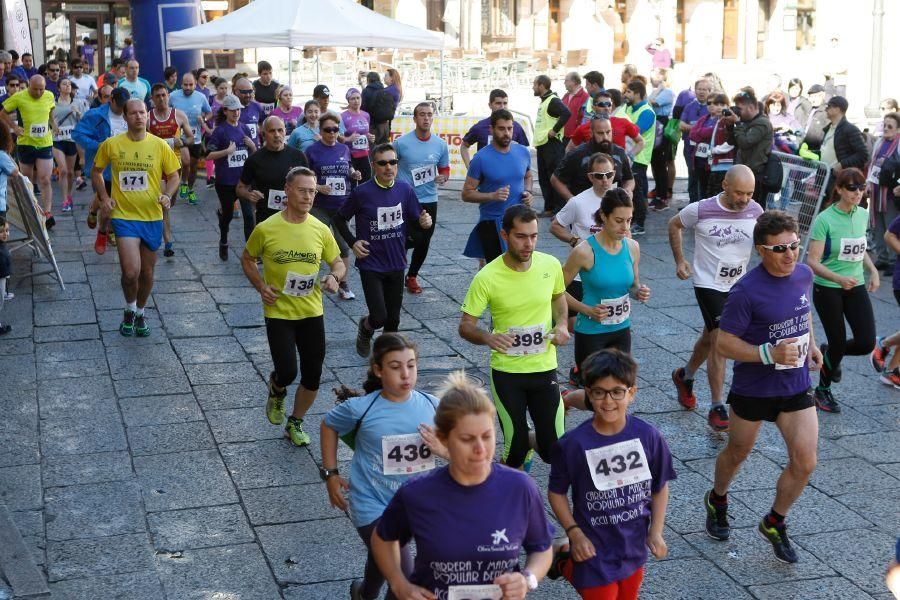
(607, 282)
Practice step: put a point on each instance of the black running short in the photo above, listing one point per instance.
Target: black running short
(712, 303)
(768, 409)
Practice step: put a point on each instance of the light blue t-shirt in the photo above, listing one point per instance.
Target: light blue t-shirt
(664, 99)
(193, 106)
(494, 170)
(419, 163)
(139, 89)
(370, 489)
(7, 166)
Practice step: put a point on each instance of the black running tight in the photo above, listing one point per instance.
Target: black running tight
(833, 306)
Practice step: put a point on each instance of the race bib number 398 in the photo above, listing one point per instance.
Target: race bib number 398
(405, 454)
(134, 181)
(474, 592)
(618, 465)
(527, 340)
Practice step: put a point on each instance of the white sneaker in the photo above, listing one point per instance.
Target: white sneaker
(346, 293)
(9, 296)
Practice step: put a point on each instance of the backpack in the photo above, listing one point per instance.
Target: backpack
(382, 108)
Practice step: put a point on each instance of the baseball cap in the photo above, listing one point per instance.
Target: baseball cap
(120, 96)
(816, 88)
(838, 102)
(231, 102)
(321, 90)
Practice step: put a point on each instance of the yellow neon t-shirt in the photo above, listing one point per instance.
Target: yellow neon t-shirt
(292, 254)
(137, 172)
(35, 115)
(520, 299)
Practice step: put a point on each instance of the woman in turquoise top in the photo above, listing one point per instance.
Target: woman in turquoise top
(837, 255)
(608, 263)
(307, 134)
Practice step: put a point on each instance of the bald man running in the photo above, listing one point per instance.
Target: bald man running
(723, 240)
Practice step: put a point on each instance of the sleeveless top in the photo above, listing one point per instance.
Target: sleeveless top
(607, 282)
(166, 129)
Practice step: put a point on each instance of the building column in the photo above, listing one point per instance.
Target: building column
(874, 104)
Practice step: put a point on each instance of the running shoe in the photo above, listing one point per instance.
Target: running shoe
(192, 197)
(718, 417)
(574, 377)
(275, 403)
(126, 327)
(717, 526)
(879, 355)
(685, 389)
(141, 328)
(5, 328)
(168, 252)
(294, 432)
(777, 536)
(412, 285)
(637, 230)
(651, 194)
(825, 401)
(210, 183)
(363, 339)
(183, 191)
(344, 291)
(356, 589)
(659, 204)
(835, 373)
(891, 378)
(67, 205)
(223, 251)
(101, 242)
(50, 221)
(112, 238)
(8, 296)
(561, 553)
(80, 183)
(92, 220)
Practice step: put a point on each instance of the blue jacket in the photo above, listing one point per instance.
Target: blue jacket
(91, 131)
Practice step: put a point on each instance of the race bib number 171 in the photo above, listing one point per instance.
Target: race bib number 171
(134, 181)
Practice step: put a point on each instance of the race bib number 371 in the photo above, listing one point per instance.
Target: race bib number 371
(618, 465)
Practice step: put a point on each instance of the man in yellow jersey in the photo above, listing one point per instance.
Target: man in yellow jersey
(525, 293)
(139, 164)
(35, 138)
(292, 245)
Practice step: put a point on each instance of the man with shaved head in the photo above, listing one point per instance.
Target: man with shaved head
(195, 105)
(137, 86)
(35, 137)
(723, 240)
(252, 113)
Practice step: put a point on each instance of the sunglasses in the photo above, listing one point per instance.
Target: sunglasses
(384, 163)
(53, 70)
(782, 248)
(602, 174)
(603, 104)
(245, 92)
(330, 129)
(855, 187)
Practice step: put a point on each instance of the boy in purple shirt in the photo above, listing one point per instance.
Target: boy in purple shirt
(618, 467)
(766, 329)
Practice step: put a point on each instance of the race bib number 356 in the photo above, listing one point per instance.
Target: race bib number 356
(405, 454)
(617, 310)
(134, 181)
(618, 465)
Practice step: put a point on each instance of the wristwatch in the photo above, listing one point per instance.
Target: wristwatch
(326, 473)
(573, 241)
(530, 580)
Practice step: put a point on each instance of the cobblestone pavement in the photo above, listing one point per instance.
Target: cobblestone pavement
(145, 468)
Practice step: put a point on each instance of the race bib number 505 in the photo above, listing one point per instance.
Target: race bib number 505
(617, 465)
(405, 454)
(853, 249)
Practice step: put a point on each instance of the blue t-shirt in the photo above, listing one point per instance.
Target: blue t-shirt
(381, 217)
(193, 106)
(302, 137)
(419, 163)
(371, 489)
(691, 114)
(612, 478)
(760, 309)
(332, 167)
(662, 102)
(7, 166)
(479, 134)
(467, 535)
(228, 168)
(493, 170)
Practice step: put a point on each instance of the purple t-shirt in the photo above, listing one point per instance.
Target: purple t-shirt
(762, 308)
(291, 119)
(87, 53)
(357, 123)
(228, 168)
(381, 217)
(332, 167)
(480, 134)
(691, 114)
(894, 228)
(252, 116)
(467, 535)
(612, 479)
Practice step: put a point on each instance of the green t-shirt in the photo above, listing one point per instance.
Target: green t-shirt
(291, 254)
(519, 300)
(844, 235)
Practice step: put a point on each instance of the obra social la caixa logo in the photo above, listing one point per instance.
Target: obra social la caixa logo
(499, 542)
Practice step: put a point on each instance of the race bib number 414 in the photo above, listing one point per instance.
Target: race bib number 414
(618, 465)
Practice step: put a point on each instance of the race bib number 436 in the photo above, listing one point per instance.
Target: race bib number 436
(618, 465)
(134, 181)
(405, 454)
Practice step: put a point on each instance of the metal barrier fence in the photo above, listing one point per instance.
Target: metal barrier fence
(803, 187)
(27, 216)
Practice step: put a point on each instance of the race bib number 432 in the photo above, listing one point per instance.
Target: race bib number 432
(405, 454)
(618, 465)
(134, 181)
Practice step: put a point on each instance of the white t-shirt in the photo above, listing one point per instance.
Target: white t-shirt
(117, 123)
(85, 84)
(723, 241)
(578, 215)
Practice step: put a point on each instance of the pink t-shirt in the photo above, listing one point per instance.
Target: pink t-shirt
(291, 119)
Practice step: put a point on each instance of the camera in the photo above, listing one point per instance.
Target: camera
(727, 112)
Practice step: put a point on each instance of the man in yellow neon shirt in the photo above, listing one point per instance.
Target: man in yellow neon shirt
(139, 195)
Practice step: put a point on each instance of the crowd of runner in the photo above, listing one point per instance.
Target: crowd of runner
(313, 186)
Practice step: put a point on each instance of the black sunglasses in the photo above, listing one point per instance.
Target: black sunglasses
(855, 187)
(782, 248)
(603, 104)
(245, 92)
(330, 129)
(384, 163)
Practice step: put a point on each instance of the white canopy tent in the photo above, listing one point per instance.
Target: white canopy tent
(304, 23)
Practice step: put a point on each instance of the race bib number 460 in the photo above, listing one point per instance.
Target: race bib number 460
(424, 175)
(405, 454)
(474, 592)
(390, 217)
(618, 465)
(298, 285)
(134, 181)
(853, 249)
(527, 340)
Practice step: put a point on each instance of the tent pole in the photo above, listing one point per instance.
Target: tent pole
(290, 66)
(441, 101)
(317, 66)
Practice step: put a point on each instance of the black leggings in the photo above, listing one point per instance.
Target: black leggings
(538, 393)
(373, 580)
(227, 195)
(286, 338)
(384, 297)
(833, 305)
(588, 343)
(420, 239)
(714, 183)
(701, 177)
(362, 165)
